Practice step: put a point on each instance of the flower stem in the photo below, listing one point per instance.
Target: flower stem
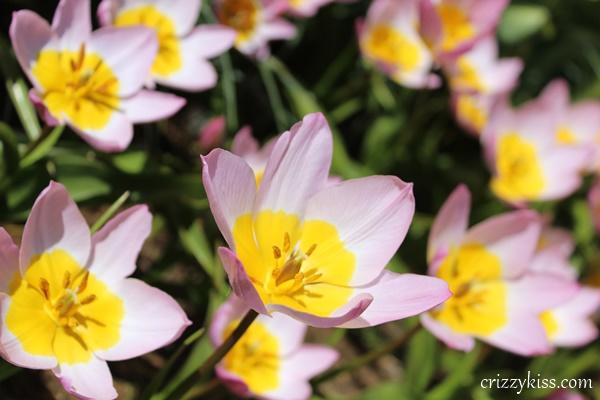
(368, 358)
(215, 357)
(274, 96)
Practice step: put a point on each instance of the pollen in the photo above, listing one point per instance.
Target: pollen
(240, 15)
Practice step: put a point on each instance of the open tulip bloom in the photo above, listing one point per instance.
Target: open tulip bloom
(315, 252)
(569, 324)
(495, 297)
(451, 27)
(90, 81)
(389, 38)
(183, 49)
(527, 163)
(270, 361)
(256, 22)
(472, 110)
(67, 303)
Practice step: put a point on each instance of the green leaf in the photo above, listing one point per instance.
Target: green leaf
(421, 361)
(109, 213)
(10, 152)
(41, 148)
(131, 162)
(7, 370)
(521, 21)
(387, 391)
(460, 376)
(84, 188)
(19, 94)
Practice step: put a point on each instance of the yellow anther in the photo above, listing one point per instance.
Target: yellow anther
(45, 288)
(286, 242)
(90, 299)
(67, 279)
(312, 278)
(84, 282)
(311, 249)
(276, 252)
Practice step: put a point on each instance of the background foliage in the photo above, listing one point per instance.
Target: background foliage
(380, 128)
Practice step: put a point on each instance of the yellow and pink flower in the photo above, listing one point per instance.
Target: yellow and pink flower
(496, 297)
(183, 48)
(314, 251)
(67, 302)
(271, 360)
(91, 81)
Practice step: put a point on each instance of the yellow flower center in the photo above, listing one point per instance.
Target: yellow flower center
(519, 174)
(550, 323)
(478, 306)
(469, 111)
(456, 27)
(466, 76)
(564, 135)
(168, 59)
(78, 85)
(59, 309)
(304, 266)
(255, 357)
(386, 44)
(240, 15)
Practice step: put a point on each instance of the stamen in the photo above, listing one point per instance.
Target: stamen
(90, 299)
(67, 279)
(311, 249)
(286, 242)
(312, 278)
(276, 252)
(84, 282)
(45, 288)
(81, 56)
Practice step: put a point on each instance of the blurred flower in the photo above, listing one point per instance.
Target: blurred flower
(451, 27)
(248, 148)
(315, 252)
(270, 361)
(495, 297)
(212, 133)
(67, 303)
(472, 110)
(256, 22)
(568, 324)
(526, 162)
(389, 38)
(307, 8)
(594, 204)
(480, 71)
(563, 394)
(90, 81)
(578, 124)
(183, 49)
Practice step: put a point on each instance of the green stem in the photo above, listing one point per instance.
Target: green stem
(367, 358)
(274, 95)
(215, 357)
(108, 214)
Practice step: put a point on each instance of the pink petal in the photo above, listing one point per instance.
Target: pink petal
(230, 187)
(371, 215)
(72, 23)
(575, 327)
(129, 52)
(54, 223)
(556, 96)
(153, 319)
(212, 132)
(449, 226)
(233, 382)
(208, 41)
(90, 380)
(452, 339)
(523, 335)
(117, 245)
(563, 168)
(535, 292)
(298, 166)
(397, 296)
(114, 137)
(9, 260)
(512, 237)
(150, 106)
(29, 34)
(10, 346)
(240, 282)
(244, 143)
(184, 13)
(594, 204)
(195, 75)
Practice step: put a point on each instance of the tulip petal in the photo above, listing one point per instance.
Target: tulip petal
(397, 296)
(129, 52)
(452, 339)
(535, 292)
(244, 143)
(208, 41)
(72, 23)
(575, 327)
(512, 237)
(115, 136)
(117, 245)
(148, 106)
(298, 166)
(194, 75)
(153, 319)
(184, 13)
(449, 227)
(240, 282)
(230, 187)
(29, 34)
(563, 167)
(9, 260)
(523, 334)
(55, 222)
(90, 380)
(234, 383)
(10, 346)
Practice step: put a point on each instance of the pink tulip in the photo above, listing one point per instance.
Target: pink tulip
(312, 251)
(212, 133)
(90, 81)
(496, 298)
(270, 361)
(256, 22)
(183, 48)
(306, 8)
(67, 302)
(389, 39)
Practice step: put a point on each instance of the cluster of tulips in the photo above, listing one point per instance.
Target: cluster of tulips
(303, 248)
